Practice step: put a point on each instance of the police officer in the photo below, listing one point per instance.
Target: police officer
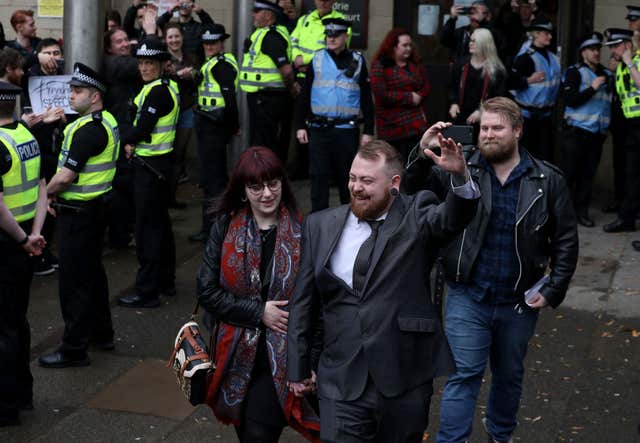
(308, 35)
(587, 90)
(80, 188)
(536, 80)
(306, 39)
(628, 90)
(617, 128)
(216, 118)
(150, 143)
(23, 204)
(267, 77)
(336, 90)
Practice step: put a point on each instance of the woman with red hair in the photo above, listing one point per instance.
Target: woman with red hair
(245, 283)
(400, 84)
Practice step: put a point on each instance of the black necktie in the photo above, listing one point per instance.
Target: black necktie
(363, 259)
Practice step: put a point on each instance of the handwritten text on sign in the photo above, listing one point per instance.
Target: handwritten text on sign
(50, 91)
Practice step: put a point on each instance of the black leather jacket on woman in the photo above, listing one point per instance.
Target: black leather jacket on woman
(227, 307)
(546, 231)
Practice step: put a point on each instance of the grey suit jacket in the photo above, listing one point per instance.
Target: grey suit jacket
(392, 331)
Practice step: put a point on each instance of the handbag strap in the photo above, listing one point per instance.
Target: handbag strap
(195, 311)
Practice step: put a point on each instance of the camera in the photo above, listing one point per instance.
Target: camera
(186, 5)
(467, 10)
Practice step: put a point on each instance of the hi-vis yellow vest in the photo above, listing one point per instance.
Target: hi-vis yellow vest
(258, 70)
(20, 183)
(164, 133)
(209, 92)
(627, 91)
(97, 175)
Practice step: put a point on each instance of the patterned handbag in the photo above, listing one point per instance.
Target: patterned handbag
(191, 361)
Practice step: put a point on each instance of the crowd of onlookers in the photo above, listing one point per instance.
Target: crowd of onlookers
(490, 56)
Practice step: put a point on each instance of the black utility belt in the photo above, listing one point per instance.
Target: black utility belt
(328, 122)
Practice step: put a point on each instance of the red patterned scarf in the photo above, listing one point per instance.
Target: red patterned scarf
(236, 346)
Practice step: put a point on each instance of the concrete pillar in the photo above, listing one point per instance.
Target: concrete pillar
(83, 26)
(242, 28)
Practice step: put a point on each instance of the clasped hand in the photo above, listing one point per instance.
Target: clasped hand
(304, 387)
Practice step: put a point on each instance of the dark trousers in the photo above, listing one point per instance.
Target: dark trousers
(580, 156)
(270, 121)
(155, 246)
(631, 202)
(331, 151)
(212, 153)
(537, 137)
(375, 418)
(618, 134)
(82, 283)
(122, 207)
(16, 381)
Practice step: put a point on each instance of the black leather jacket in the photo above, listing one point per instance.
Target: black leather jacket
(546, 230)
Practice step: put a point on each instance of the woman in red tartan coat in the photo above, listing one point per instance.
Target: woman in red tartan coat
(400, 84)
(245, 282)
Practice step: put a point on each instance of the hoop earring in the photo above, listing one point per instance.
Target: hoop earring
(243, 199)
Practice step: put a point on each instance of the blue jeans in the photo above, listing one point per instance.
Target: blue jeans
(476, 332)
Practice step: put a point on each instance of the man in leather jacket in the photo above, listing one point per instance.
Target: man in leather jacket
(524, 224)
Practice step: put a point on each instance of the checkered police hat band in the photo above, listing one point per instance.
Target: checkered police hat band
(7, 97)
(79, 76)
(148, 52)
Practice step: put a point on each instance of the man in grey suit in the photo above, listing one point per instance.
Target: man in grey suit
(364, 283)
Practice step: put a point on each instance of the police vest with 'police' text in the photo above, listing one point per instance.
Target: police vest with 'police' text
(20, 183)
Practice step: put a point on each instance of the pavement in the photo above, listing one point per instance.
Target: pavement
(582, 370)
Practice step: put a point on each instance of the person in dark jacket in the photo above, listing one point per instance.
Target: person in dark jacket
(482, 76)
(216, 119)
(495, 270)
(191, 29)
(245, 282)
(457, 38)
(120, 71)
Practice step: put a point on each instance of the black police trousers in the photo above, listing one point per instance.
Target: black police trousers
(331, 151)
(270, 114)
(537, 137)
(155, 245)
(82, 282)
(631, 202)
(16, 381)
(579, 158)
(212, 153)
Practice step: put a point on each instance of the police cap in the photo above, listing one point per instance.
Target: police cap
(593, 40)
(260, 5)
(152, 47)
(617, 35)
(335, 26)
(85, 77)
(9, 92)
(541, 24)
(633, 13)
(213, 32)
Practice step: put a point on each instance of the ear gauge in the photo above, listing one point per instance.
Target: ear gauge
(394, 192)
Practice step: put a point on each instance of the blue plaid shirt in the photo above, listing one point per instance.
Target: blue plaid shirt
(496, 268)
